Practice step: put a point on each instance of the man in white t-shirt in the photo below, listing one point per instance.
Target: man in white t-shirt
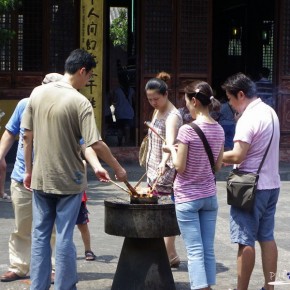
(253, 133)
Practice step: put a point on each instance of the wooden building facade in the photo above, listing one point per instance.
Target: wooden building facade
(190, 39)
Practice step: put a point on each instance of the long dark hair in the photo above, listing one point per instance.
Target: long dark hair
(202, 91)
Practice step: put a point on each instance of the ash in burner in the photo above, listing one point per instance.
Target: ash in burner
(144, 200)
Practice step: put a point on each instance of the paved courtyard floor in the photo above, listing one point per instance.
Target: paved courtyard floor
(99, 274)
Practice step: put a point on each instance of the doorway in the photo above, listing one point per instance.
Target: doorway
(120, 102)
(175, 37)
(243, 39)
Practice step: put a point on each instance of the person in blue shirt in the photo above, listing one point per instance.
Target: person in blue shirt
(227, 120)
(123, 101)
(20, 239)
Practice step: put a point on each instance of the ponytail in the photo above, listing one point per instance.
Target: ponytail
(215, 104)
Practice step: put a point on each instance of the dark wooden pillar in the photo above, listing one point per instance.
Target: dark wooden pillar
(283, 97)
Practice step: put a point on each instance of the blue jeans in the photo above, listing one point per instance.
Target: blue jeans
(47, 210)
(197, 221)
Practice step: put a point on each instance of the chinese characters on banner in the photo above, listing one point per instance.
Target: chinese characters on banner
(91, 39)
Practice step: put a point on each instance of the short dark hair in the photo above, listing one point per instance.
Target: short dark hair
(240, 82)
(78, 59)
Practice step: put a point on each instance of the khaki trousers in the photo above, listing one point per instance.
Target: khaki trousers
(20, 239)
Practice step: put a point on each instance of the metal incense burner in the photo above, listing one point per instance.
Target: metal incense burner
(143, 263)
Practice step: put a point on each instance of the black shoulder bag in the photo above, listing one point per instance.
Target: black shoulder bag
(205, 144)
(241, 185)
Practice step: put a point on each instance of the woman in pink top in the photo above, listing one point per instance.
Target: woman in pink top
(194, 186)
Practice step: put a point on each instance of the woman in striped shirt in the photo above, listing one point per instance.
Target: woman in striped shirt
(194, 186)
(166, 121)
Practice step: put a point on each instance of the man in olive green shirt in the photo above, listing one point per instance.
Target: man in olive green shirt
(56, 118)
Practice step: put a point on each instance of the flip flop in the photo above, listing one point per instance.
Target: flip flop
(90, 256)
(6, 197)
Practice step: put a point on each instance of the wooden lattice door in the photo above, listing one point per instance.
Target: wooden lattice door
(175, 37)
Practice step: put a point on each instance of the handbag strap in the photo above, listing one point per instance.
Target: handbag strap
(205, 144)
(147, 135)
(266, 152)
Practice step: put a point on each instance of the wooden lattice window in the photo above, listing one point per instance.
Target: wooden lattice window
(30, 30)
(286, 38)
(268, 45)
(63, 32)
(5, 49)
(158, 32)
(24, 51)
(46, 32)
(194, 27)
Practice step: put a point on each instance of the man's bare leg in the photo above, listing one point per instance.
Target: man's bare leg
(245, 265)
(269, 261)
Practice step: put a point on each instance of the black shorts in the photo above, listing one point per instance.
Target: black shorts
(83, 217)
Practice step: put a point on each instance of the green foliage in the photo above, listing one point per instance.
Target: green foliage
(119, 30)
(6, 6)
(6, 35)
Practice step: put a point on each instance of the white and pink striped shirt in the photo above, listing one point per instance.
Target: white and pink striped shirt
(198, 181)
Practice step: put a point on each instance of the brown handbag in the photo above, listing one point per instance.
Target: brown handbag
(144, 147)
(143, 151)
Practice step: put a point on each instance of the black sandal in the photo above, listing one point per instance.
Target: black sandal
(174, 262)
(90, 256)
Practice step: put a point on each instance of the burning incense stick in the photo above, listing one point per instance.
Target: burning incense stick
(121, 187)
(139, 181)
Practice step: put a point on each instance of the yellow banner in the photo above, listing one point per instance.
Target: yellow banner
(91, 39)
(7, 106)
